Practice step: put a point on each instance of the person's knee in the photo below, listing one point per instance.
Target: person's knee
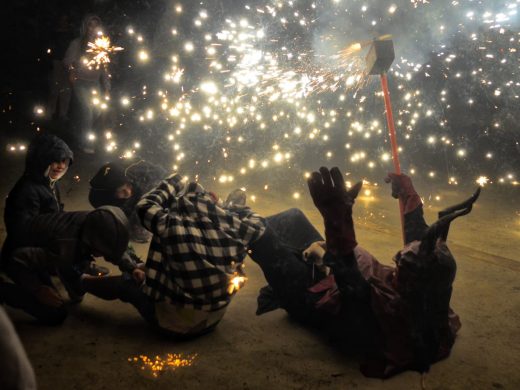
(296, 216)
(296, 213)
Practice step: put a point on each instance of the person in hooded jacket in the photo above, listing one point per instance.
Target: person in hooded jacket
(37, 191)
(86, 80)
(67, 241)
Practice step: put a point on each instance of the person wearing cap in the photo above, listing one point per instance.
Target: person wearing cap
(121, 183)
(67, 241)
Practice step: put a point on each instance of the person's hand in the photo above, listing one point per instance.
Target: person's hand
(139, 275)
(48, 296)
(401, 184)
(315, 252)
(334, 202)
(403, 189)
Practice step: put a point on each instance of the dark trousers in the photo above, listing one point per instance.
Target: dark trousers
(19, 297)
(279, 253)
(21, 293)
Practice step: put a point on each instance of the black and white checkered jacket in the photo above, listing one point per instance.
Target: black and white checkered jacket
(197, 245)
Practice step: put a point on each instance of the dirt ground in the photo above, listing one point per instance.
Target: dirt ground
(91, 350)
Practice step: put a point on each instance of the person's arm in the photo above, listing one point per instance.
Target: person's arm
(349, 279)
(22, 206)
(403, 189)
(70, 60)
(126, 264)
(331, 198)
(155, 208)
(72, 54)
(334, 202)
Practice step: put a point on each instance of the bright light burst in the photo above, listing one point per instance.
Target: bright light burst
(100, 51)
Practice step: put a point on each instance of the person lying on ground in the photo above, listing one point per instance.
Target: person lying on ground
(398, 317)
(68, 242)
(121, 183)
(195, 261)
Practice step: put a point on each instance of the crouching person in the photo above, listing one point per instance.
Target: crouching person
(65, 241)
(399, 317)
(195, 261)
(121, 183)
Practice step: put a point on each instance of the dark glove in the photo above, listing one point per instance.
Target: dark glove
(334, 202)
(402, 189)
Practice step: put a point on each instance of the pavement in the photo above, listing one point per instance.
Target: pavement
(96, 346)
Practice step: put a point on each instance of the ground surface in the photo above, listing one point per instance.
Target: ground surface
(91, 349)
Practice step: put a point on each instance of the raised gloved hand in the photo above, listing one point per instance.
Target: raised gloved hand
(402, 189)
(335, 203)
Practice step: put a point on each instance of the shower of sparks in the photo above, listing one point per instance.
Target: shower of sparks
(100, 51)
(276, 88)
(418, 2)
(159, 365)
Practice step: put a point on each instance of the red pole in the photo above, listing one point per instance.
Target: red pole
(393, 139)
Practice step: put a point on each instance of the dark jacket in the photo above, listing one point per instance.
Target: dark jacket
(70, 238)
(33, 193)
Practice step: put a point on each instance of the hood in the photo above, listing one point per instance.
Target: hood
(105, 232)
(85, 21)
(43, 150)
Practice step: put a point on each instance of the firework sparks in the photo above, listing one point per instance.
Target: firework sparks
(160, 364)
(236, 284)
(100, 51)
(255, 91)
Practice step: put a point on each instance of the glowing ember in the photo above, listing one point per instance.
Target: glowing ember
(159, 365)
(236, 284)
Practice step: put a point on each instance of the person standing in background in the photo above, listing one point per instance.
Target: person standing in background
(59, 84)
(88, 82)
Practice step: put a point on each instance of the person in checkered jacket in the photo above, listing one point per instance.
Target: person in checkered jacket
(195, 262)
